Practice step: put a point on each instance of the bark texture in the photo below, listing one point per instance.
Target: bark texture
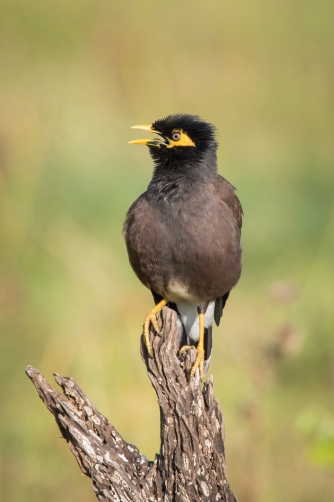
(191, 463)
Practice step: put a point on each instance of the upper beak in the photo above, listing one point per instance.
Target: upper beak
(149, 142)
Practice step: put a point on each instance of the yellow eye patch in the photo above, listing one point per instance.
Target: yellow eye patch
(183, 140)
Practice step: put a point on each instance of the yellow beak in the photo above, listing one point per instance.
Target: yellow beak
(150, 141)
(144, 127)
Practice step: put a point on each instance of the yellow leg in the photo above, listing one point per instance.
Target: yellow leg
(151, 318)
(199, 361)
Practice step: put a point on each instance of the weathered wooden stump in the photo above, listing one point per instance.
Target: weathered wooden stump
(191, 463)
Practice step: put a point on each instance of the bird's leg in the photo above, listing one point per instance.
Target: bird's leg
(151, 318)
(199, 361)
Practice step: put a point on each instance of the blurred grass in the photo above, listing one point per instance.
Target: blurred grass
(74, 77)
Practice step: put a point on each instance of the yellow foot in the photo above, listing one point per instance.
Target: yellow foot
(151, 318)
(199, 361)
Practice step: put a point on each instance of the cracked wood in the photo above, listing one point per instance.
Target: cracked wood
(191, 463)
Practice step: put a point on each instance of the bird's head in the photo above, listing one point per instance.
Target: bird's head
(181, 137)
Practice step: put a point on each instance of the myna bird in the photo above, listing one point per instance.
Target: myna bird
(183, 233)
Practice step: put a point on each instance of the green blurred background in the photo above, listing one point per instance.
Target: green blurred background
(74, 77)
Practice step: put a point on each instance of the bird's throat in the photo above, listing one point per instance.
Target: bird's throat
(173, 181)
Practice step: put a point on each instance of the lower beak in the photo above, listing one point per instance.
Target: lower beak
(149, 142)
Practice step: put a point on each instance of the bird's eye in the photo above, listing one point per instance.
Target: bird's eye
(176, 136)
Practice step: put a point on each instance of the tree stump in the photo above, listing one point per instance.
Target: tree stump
(191, 463)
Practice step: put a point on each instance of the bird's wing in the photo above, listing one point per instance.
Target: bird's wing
(219, 307)
(226, 193)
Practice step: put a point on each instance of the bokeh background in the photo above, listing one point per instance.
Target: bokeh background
(74, 77)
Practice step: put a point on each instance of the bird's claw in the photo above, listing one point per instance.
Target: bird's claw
(149, 319)
(199, 361)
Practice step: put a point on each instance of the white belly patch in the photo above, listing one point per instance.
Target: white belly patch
(189, 318)
(177, 291)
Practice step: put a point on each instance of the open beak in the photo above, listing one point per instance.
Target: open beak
(152, 141)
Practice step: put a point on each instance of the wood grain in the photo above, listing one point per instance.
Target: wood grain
(191, 463)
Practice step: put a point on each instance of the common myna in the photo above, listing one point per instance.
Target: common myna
(183, 233)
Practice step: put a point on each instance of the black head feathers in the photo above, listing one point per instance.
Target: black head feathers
(200, 133)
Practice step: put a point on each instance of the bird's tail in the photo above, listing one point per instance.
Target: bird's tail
(207, 348)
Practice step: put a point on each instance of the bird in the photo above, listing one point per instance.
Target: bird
(183, 233)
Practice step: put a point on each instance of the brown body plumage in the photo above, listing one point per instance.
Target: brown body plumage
(183, 233)
(191, 238)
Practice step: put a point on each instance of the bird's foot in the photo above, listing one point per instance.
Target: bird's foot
(151, 318)
(199, 361)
